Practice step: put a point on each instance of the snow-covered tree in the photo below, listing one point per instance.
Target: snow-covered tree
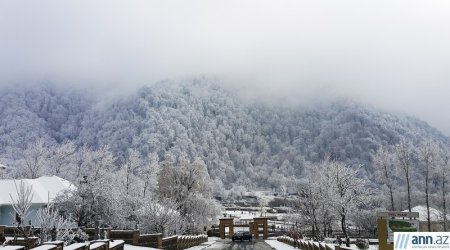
(311, 200)
(346, 191)
(443, 171)
(188, 184)
(35, 157)
(60, 161)
(385, 169)
(160, 216)
(244, 145)
(405, 155)
(427, 156)
(92, 199)
(149, 174)
(49, 220)
(21, 203)
(262, 202)
(130, 168)
(127, 191)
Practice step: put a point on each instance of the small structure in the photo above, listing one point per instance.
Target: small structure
(436, 219)
(226, 222)
(386, 233)
(44, 188)
(254, 227)
(260, 222)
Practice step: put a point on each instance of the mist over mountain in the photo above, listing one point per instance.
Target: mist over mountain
(245, 144)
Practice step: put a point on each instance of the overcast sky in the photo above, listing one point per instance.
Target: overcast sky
(391, 54)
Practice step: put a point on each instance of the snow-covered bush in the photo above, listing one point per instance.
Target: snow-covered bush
(75, 237)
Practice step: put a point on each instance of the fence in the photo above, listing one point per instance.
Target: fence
(310, 245)
(132, 237)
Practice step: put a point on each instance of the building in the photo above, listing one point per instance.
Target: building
(44, 189)
(436, 219)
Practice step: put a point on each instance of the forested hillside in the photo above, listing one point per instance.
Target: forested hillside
(244, 144)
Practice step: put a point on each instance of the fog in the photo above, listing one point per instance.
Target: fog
(391, 54)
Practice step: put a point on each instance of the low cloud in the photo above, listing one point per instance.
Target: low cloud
(392, 54)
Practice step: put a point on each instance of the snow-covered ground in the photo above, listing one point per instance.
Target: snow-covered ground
(282, 246)
(211, 240)
(371, 247)
(131, 247)
(279, 245)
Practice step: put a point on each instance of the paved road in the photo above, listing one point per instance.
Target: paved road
(245, 245)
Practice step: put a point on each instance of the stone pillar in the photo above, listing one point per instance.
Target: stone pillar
(226, 222)
(261, 221)
(136, 237)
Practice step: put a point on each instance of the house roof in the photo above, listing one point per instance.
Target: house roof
(45, 189)
(435, 215)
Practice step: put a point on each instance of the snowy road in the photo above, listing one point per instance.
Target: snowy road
(229, 245)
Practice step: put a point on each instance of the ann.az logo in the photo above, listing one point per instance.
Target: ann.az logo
(429, 240)
(418, 241)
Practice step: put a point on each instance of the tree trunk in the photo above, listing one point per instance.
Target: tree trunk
(409, 191)
(317, 230)
(344, 228)
(392, 198)
(444, 201)
(386, 176)
(427, 200)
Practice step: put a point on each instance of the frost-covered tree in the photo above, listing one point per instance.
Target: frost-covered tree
(160, 216)
(99, 162)
(130, 168)
(243, 144)
(183, 180)
(405, 159)
(443, 171)
(21, 203)
(50, 219)
(127, 190)
(92, 199)
(262, 202)
(149, 174)
(346, 191)
(60, 162)
(427, 156)
(35, 157)
(385, 169)
(310, 201)
(188, 184)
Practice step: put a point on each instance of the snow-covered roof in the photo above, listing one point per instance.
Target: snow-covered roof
(45, 189)
(435, 215)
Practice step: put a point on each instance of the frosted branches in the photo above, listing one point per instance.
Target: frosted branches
(23, 202)
(50, 219)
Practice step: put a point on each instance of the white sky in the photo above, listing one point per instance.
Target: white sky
(392, 54)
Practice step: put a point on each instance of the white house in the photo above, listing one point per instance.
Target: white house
(436, 218)
(44, 188)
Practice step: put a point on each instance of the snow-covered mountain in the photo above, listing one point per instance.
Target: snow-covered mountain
(243, 143)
